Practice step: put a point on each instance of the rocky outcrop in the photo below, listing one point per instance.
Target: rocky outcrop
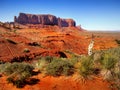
(12, 25)
(47, 19)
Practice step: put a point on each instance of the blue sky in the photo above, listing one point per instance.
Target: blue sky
(90, 14)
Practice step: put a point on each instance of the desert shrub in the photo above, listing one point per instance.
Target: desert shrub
(97, 59)
(34, 44)
(48, 58)
(17, 73)
(1, 61)
(75, 58)
(86, 66)
(97, 56)
(118, 41)
(117, 69)
(3, 67)
(109, 61)
(117, 78)
(18, 67)
(26, 50)
(14, 30)
(42, 63)
(114, 52)
(59, 67)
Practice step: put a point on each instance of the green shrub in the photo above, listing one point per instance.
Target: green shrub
(97, 56)
(17, 73)
(118, 41)
(34, 44)
(86, 67)
(59, 67)
(117, 70)
(108, 64)
(115, 52)
(42, 63)
(14, 30)
(109, 61)
(3, 67)
(1, 62)
(17, 67)
(48, 58)
(26, 50)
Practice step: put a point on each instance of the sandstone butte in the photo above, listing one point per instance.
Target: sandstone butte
(47, 19)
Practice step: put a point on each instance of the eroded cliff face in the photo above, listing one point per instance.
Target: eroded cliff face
(47, 19)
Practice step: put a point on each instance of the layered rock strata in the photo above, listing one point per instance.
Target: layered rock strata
(47, 19)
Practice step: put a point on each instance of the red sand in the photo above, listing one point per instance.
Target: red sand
(53, 40)
(60, 83)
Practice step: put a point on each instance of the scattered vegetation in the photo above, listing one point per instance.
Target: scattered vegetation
(105, 63)
(75, 58)
(110, 65)
(108, 61)
(86, 66)
(34, 44)
(17, 73)
(26, 50)
(58, 67)
(118, 41)
(1, 62)
(42, 63)
(54, 66)
(15, 31)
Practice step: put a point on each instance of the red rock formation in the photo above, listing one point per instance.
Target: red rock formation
(44, 20)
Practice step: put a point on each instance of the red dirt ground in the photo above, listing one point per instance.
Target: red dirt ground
(52, 40)
(60, 83)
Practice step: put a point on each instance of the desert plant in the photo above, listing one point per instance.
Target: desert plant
(59, 67)
(75, 58)
(97, 57)
(42, 63)
(17, 67)
(34, 44)
(17, 73)
(116, 75)
(3, 67)
(86, 66)
(48, 58)
(108, 63)
(14, 30)
(117, 69)
(1, 61)
(26, 50)
(114, 52)
(118, 41)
